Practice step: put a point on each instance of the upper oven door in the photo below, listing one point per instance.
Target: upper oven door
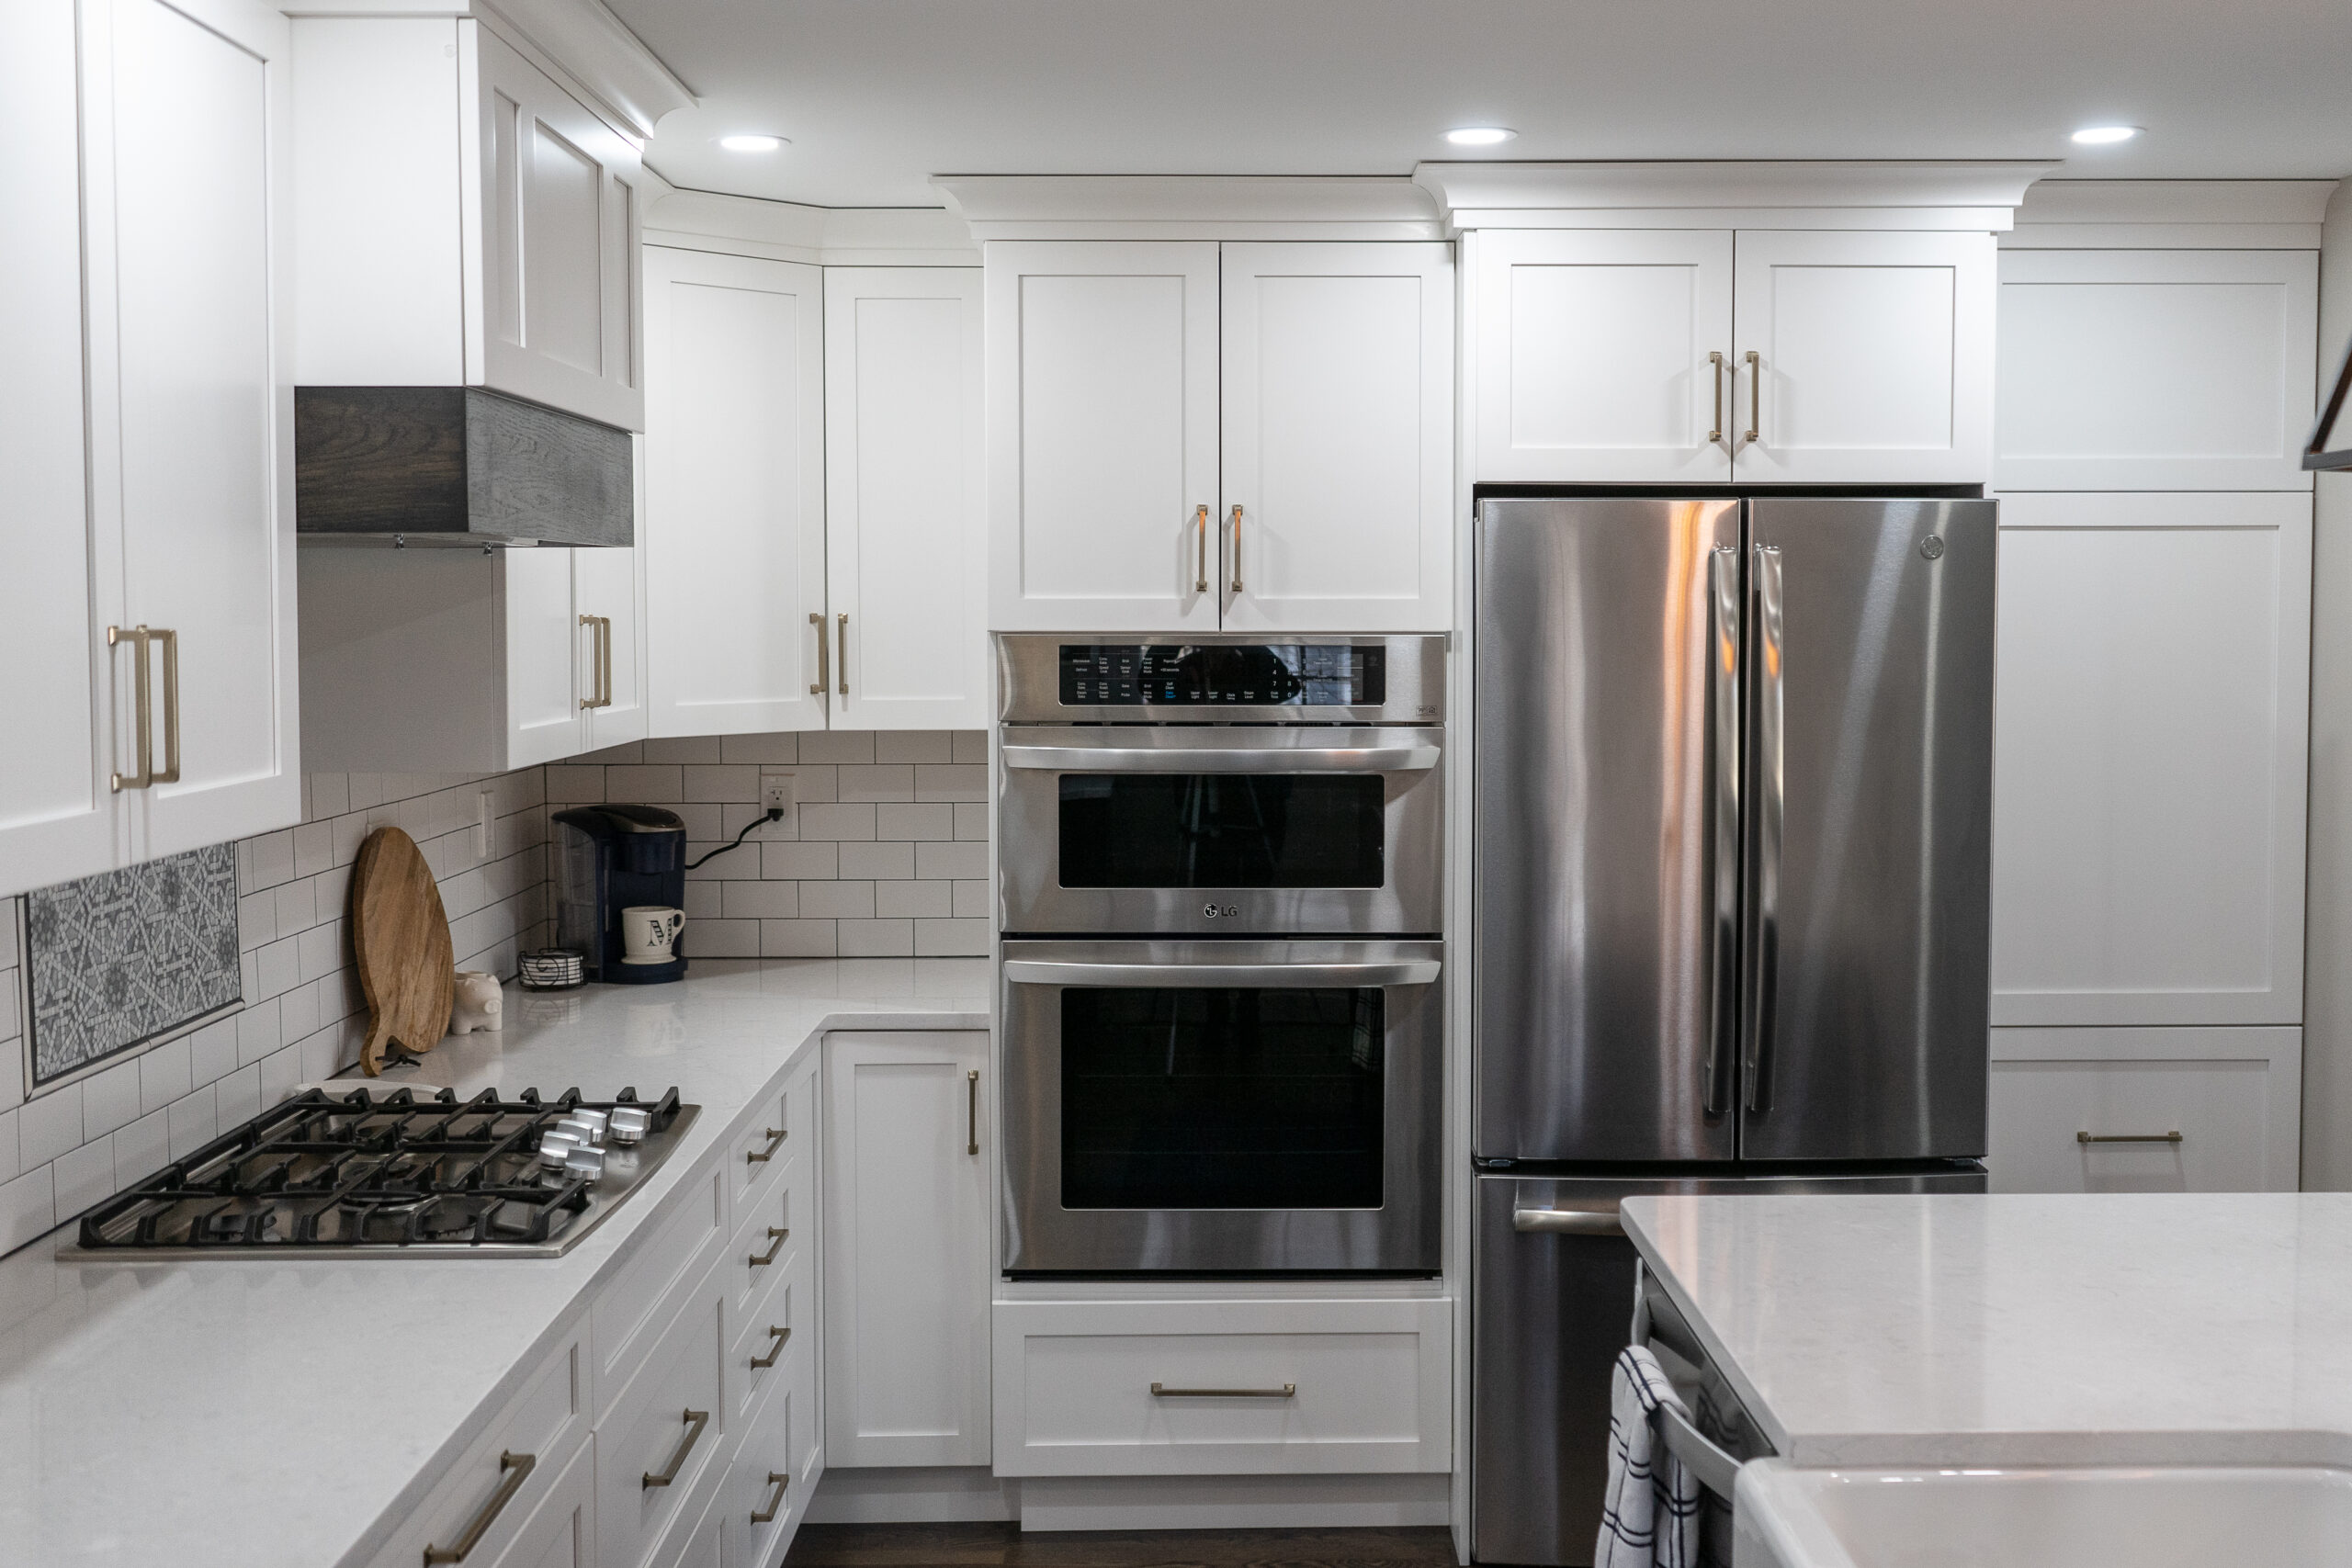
(1221, 1106)
(1217, 829)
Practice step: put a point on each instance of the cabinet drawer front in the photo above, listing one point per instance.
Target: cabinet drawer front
(536, 1433)
(775, 1329)
(763, 1150)
(631, 1311)
(1242, 1387)
(562, 1532)
(649, 1434)
(765, 1479)
(2222, 1108)
(766, 1246)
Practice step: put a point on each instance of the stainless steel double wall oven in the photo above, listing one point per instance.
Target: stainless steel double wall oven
(1220, 883)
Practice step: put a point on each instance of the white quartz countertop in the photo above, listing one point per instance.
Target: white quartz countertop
(2005, 1330)
(261, 1414)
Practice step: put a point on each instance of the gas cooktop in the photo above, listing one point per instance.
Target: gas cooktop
(397, 1176)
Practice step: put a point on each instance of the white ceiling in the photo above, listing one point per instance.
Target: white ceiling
(877, 95)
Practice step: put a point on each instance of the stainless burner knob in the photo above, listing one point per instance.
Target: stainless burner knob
(554, 1144)
(588, 1125)
(586, 1165)
(629, 1125)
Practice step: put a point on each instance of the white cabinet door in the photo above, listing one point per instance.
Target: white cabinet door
(546, 662)
(1101, 434)
(907, 1258)
(62, 584)
(2201, 1110)
(1873, 357)
(2149, 759)
(905, 503)
(560, 245)
(1338, 420)
(734, 520)
(193, 411)
(2156, 369)
(1590, 353)
(606, 594)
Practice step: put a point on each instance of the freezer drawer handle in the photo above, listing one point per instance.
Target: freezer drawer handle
(1218, 760)
(1284, 976)
(1160, 1391)
(1710, 1466)
(2171, 1137)
(1568, 1222)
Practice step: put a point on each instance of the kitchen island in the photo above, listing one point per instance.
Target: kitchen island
(252, 1411)
(2113, 1329)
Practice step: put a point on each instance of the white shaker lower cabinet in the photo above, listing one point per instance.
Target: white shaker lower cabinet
(1224, 1388)
(2149, 772)
(909, 1152)
(1863, 358)
(2180, 1110)
(562, 1532)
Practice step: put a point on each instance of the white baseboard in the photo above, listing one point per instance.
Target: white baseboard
(971, 1495)
(1231, 1502)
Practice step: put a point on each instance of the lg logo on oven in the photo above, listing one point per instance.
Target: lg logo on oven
(1220, 912)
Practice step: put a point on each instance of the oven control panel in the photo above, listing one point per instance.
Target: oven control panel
(1223, 674)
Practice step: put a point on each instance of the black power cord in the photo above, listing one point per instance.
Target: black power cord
(774, 814)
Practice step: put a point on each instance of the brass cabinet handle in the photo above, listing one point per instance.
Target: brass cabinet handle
(761, 1156)
(600, 629)
(782, 1483)
(2171, 1137)
(972, 1111)
(776, 1337)
(1715, 374)
(696, 1421)
(1236, 547)
(170, 771)
(775, 1245)
(843, 660)
(516, 1468)
(1201, 549)
(816, 619)
(1755, 399)
(1286, 1392)
(142, 713)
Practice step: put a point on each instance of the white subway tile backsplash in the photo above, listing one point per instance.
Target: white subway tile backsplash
(164, 1075)
(796, 939)
(959, 782)
(50, 1124)
(715, 782)
(9, 1165)
(951, 939)
(914, 746)
(913, 822)
(807, 860)
(971, 898)
(759, 748)
(141, 1149)
(877, 938)
(110, 1098)
(660, 785)
(914, 898)
(726, 939)
(836, 746)
(960, 861)
(191, 1126)
(972, 819)
(212, 1053)
(837, 900)
(762, 900)
(893, 781)
(846, 820)
(692, 748)
(878, 860)
(28, 1208)
(85, 1175)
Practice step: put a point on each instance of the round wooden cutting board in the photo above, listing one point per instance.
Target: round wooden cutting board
(400, 937)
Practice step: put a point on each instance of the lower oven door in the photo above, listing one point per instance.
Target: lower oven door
(1221, 1107)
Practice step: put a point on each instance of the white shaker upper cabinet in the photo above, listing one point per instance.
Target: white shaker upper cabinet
(192, 411)
(1863, 357)
(737, 637)
(1602, 356)
(608, 616)
(1102, 435)
(905, 502)
(2156, 369)
(1338, 373)
(61, 586)
(2153, 658)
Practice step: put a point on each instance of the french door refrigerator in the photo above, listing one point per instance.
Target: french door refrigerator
(1732, 852)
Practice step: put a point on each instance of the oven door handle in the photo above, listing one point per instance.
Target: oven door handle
(1278, 977)
(1220, 760)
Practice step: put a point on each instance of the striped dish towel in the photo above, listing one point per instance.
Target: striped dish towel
(1651, 1517)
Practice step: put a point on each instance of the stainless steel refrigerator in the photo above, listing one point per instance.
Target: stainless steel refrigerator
(1733, 785)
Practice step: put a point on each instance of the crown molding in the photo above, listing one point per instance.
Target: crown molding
(820, 236)
(2059, 214)
(582, 38)
(1175, 207)
(1511, 195)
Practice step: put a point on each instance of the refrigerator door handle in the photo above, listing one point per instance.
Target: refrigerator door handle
(1722, 1013)
(1770, 752)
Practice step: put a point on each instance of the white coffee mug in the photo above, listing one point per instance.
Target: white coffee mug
(647, 931)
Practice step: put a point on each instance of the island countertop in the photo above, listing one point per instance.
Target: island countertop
(246, 1412)
(2126, 1328)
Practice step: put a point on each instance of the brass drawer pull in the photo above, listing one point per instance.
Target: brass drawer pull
(2171, 1137)
(776, 1337)
(972, 1111)
(775, 1245)
(762, 1157)
(1715, 374)
(1755, 399)
(144, 709)
(696, 1421)
(516, 1468)
(782, 1483)
(1201, 549)
(1286, 1392)
(816, 619)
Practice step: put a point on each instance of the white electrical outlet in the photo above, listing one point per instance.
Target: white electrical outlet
(775, 792)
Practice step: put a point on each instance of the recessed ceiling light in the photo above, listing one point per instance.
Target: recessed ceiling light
(1479, 135)
(2105, 135)
(751, 143)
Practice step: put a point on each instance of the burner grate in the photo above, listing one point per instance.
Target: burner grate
(323, 1172)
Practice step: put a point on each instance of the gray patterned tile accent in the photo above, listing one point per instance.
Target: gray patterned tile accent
(120, 958)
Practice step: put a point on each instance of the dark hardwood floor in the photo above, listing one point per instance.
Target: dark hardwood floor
(991, 1545)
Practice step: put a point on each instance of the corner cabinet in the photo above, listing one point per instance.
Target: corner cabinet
(1186, 435)
(150, 490)
(1751, 357)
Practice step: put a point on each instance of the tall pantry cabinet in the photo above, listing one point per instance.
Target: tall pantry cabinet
(147, 613)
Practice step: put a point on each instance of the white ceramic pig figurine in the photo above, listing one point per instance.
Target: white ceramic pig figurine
(477, 1003)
